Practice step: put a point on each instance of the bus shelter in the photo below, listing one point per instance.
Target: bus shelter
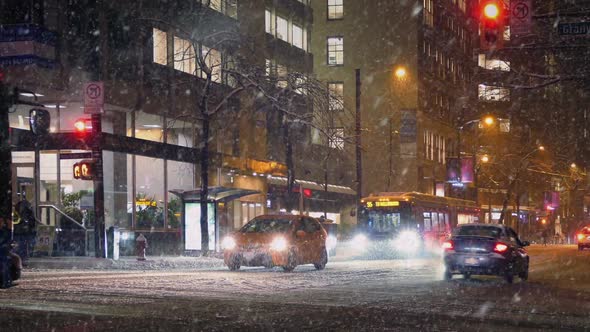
(191, 215)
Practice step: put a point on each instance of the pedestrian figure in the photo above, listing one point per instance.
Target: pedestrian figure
(545, 235)
(25, 229)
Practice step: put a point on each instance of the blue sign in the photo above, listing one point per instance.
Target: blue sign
(27, 32)
(578, 28)
(26, 44)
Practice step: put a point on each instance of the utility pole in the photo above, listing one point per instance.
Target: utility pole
(5, 154)
(359, 161)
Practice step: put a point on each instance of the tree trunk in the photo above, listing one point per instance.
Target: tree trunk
(205, 187)
(289, 164)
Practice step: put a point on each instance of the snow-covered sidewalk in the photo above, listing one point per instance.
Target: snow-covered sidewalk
(125, 263)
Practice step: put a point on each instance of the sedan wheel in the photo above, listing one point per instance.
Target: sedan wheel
(524, 275)
(509, 277)
(234, 263)
(291, 262)
(323, 260)
(448, 275)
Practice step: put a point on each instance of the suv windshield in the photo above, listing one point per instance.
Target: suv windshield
(267, 225)
(486, 231)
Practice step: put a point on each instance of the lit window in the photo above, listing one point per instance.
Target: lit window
(227, 7)
(160, 50)
(504, 125)
(493, 93)
(297, 36)
(335, 9)
(335, 51)
(493, 64)
(429, 12)
(268, 21)
(212, 58)
(282, 76)
(336, 91)
(184, 56)
(507, 32)
(336, 139)
(282, 28)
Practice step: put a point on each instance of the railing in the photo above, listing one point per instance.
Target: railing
(56, 218)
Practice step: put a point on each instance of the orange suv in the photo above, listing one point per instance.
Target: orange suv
(277, 240)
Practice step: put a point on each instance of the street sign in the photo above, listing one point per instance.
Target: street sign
(94, 98)
(81, 155)
(521, 17)
(577, 28)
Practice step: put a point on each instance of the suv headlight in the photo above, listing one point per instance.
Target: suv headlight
(228, 243)
(278, 244)
(360, 241)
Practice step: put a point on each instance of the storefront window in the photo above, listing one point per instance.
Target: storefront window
(116, 122)
(180, 177)
(149, 197)
(180, 132)
(149, 127)
(116, 185)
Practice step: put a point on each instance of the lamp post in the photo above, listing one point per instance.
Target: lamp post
(400, 74)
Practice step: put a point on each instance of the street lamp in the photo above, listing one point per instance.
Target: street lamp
(485, 159)
(400, 73)
(489, 120)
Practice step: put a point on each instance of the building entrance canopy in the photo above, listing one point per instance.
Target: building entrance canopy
(216, 194)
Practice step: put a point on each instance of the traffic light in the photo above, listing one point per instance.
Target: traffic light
(83, 127)
(492, 25)
(85, 169)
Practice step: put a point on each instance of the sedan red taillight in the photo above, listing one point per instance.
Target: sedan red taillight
(448, 245)
(500, 247)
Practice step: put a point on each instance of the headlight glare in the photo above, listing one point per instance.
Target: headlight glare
(228, 243)
(331, 242)
(407, 241)
(278, 244)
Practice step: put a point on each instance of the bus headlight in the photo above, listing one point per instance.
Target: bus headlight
(360, 241)
(228, 243)
(331, 242)
(407, 241)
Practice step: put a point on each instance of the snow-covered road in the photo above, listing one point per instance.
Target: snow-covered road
(395, 294)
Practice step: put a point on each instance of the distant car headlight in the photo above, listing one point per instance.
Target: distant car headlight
(407, 241)
(360, 241)
(331, 242)
(228, 243)
(279, 244)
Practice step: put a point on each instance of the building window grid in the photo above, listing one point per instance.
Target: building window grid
(493, 93)
(285, 29)
(335, 51)
(336, 96)
(336, 139)
(335, 9)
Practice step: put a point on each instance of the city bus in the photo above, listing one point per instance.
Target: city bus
(410, 222)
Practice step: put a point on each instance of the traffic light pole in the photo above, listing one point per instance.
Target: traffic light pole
(5, 157)
(100, 246)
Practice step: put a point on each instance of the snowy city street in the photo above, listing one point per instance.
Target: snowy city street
(350, 294)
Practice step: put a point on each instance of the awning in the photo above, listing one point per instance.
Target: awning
(282, 181)
(217, 194)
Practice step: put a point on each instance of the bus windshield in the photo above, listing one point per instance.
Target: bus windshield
(383, 221)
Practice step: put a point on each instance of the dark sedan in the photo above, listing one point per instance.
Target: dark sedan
(486, 249)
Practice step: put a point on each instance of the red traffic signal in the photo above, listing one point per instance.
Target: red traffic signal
(492, 25)
(83, 126)
(85, 169)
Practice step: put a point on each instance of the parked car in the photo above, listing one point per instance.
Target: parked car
(583, 237)
(485, 249)
(277, 240)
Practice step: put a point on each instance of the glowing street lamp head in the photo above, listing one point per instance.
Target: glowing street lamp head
(573, 165)
(541, 148)
(485, 159)
(488, 120)
(400, 73)
(491, 11)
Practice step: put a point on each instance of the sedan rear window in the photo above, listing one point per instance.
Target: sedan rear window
(267, 225)
(485, 231)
